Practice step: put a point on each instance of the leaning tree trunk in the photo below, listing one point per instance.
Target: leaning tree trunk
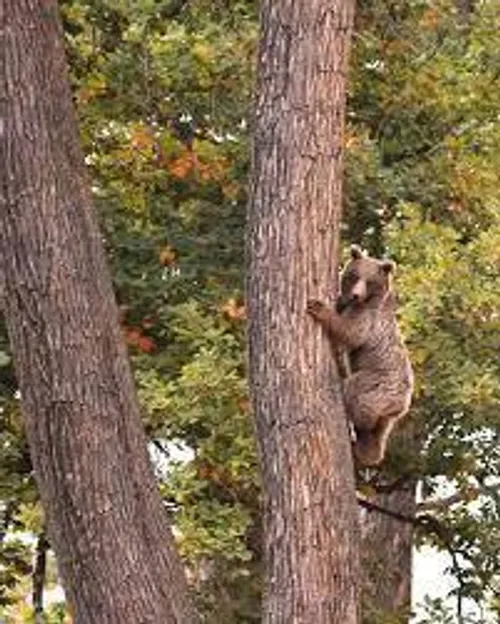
(293, 231)
(105, 517)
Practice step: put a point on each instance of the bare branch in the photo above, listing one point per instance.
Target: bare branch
(429, 524)
(464, 495)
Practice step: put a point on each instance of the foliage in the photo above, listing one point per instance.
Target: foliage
(163, 95)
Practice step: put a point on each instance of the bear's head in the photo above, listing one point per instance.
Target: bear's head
(364, 281)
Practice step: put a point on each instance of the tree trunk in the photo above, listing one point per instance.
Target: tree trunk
(294, 213)
(105, 517)
(387, 547)
(387, 538)
(38, 577)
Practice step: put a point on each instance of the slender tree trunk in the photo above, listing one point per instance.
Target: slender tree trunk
(294, 213)
(38, 577)
(105, 518)
(387, 549)
(465, 10)
(387, 538)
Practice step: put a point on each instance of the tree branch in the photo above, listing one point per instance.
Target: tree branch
(371, 506)
(429, 524)
(464, 495)
(424, 521)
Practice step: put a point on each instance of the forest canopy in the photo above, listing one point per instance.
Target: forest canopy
(163, 91)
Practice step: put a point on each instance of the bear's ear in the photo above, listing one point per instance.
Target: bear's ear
(387, 266)
(356, 252)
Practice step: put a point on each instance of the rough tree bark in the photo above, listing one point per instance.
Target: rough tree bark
(387, 554)
(105, 517)
(294, 213)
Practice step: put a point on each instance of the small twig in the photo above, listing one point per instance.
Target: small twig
(371, 506)
(458, 573)
(424, 521)
(464, 495)
(160, 447)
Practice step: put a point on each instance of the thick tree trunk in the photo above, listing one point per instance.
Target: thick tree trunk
(105, 517)
(387, 547)
(294, 214)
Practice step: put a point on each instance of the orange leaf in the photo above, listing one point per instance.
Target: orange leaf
(182, 166)
(146, 345)
(430, 19)
(244, 405)
(167, 255)
(233, 310)
(132, 335)
(141, 139)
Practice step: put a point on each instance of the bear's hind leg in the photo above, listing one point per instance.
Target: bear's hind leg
(360, 401)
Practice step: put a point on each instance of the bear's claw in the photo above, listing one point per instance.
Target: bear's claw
(315, 307)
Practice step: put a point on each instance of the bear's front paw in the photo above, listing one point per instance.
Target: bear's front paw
(315, 308)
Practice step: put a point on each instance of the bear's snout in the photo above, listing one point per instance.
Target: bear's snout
(358, 293)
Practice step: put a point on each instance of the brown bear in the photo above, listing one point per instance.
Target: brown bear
(379, 387)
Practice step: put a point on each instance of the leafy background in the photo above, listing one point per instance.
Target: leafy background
(163, 92)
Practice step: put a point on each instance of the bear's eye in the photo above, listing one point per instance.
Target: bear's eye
(349, 280)
(352, 276)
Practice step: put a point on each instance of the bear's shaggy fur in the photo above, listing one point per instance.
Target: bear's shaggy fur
(378, 390)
